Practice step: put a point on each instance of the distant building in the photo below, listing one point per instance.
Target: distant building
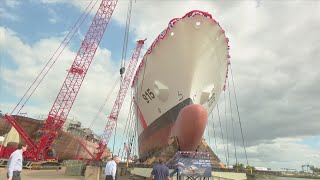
(71, 120)
(262, 169)
(288, 170)
(1, 139)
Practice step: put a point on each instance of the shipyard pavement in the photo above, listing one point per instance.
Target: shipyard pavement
(50, 174)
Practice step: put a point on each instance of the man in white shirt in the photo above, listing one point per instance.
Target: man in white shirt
(15, 163)
(111, 168)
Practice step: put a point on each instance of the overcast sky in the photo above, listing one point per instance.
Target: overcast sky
(274, 49)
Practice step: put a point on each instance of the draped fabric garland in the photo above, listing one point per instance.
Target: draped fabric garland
(171, 25)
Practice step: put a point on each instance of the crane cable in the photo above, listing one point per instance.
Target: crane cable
(129, 134)
(134, 134)
(98, 113)
(225, 113)
(135, 142)
(125, 39)
(128, 122)
(104, 103)
(128, 131)
(136, 149)
(124, 52)
(208, 130)
(63, 44)
(130, 140)
(224, 146)
(244, 147)
(214, 134)
(232, 123)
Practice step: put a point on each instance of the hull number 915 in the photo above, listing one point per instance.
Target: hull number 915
(148, 95)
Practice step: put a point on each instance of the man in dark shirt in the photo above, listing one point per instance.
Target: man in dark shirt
(160, 172)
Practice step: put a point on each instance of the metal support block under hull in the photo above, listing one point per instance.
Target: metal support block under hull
(167, 152)
(145, 173)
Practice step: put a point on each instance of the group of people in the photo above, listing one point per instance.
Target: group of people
(159, 171)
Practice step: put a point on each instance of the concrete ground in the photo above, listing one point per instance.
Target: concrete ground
(48, 174)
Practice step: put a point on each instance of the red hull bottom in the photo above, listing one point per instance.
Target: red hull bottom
(188, 126)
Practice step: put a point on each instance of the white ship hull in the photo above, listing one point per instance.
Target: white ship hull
(186, 64)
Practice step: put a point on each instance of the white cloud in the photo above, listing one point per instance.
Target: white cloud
(276, 154)
(97, 84)
(287, 152)
(53, 20)
(12, 3)
(31, 59)
(7, 8)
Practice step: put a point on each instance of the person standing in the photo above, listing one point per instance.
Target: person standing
(111, 168)
(160, 172)
(15, 163)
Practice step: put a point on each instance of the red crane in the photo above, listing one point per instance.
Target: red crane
(70, 87)
(125, 83)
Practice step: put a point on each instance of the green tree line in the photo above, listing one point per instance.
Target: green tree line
(315, 169)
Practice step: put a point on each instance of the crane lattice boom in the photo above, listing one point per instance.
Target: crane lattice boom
(71, 85)
(125, 83)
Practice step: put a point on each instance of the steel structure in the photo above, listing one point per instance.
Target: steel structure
(125, 83)
(71, 85)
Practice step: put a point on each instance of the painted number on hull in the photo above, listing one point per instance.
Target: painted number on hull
(148, 95)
